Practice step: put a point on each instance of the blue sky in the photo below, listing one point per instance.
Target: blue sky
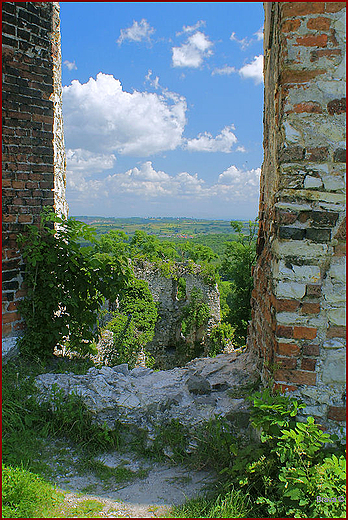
(162, 106)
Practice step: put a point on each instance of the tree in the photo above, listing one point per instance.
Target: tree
(239, 257)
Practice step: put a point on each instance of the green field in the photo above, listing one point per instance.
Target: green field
(212, 233)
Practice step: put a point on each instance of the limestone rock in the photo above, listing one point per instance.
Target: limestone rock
(203, 389)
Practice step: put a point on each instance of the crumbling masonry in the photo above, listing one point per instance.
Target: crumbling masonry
(298, 303)
(298, 325)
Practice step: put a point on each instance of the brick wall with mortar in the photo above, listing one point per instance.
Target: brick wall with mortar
(298, 303)
(33, 158)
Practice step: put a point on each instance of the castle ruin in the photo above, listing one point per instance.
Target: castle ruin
(298, 316)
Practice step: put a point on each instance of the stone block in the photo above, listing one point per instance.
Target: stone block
(311, 182)
(290, 290)
(298, 273)
(334, 367)
(337, 316)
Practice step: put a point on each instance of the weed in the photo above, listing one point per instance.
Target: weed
(232, 505)
(26, 495)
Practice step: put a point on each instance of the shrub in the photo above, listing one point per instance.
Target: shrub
(221, 337)
(195, 314)
(133, 324)
(66, 285)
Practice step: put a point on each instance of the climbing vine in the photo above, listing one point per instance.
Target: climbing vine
(66, 285)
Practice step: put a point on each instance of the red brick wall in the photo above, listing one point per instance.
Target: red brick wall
(298, 301)
(28, 116)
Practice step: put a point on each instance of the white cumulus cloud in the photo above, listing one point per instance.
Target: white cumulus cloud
(87, 162)
(237, 184)
(192, 53)
(146, 183)
(205, 142)
(191, 28)
(253, 70)
(138, 32)
(71, 65)
(99, 116)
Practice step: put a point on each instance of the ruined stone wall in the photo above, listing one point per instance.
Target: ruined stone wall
(33, 144)
(164, 290)
(298, 304)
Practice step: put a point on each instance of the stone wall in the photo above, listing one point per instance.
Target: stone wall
(164, 290)
(298, 316)
(33, 144)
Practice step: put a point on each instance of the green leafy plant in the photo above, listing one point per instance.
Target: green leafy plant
(134, 322)
(195, 314)
(221, 337)
(66, 285)
(239, 257)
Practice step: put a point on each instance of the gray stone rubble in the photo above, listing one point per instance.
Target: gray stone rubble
(147, 399)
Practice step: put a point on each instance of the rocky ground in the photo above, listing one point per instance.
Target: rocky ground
(120, 484)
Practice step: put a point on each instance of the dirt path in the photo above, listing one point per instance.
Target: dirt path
(121, 484)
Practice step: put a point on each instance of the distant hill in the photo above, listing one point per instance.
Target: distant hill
(162, 227)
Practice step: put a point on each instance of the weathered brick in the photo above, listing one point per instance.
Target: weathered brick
(321, 23)
(284, 388)
(308, 364)
(287, 349)
(319, 40)
(299, 377)
(10, 317)
(312, 107)
(337, 106)
(292, 154)
(326, 53)
(313, 290)
(282, 331)
(304, 332)
(310, 350)
(340, 250)
(285, 362)
(336, 332)
(324, 218)
(290, 9)
(286, 217)
(290, 25)
(337, 413)
(340, 155)
(334, 7)
(341, 232)
(319, 154)
(299, 76)
(310, 308)
(318, 235)
(6, 329)
(290, 233)
(286, 305)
